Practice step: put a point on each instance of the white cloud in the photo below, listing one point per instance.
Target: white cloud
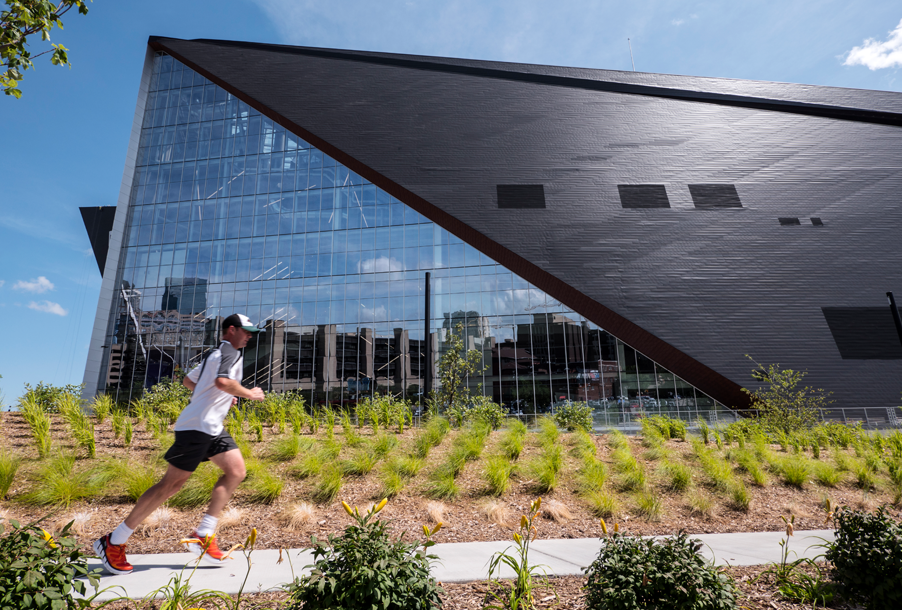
(48, 307)
(380, 265)
(677, 22)
(876, 54)
(39, 286)
(2, 282)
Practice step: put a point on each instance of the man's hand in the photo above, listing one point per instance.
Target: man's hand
(236, 389)
(234, 400)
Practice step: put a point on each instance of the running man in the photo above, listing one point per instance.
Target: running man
(199, 436)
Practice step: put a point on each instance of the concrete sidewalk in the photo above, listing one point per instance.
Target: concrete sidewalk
(458, 562)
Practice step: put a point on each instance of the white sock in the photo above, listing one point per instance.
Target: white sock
(207, 526)
(121, 534)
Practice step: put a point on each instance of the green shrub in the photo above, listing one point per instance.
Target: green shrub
(572, 416)
(635, 573)
(866, 556)
(9, 465)
(41, 572)
(365, 568)
(484, 410)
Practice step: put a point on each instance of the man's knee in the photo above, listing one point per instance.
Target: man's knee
(239, 473)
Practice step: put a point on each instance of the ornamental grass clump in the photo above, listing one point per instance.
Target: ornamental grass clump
(513, 438)
(328, 485)
(38, 421)
(497, 474)
(632, 573)
(263, 486)
(61, 483)
(9, 465)
(365, 567)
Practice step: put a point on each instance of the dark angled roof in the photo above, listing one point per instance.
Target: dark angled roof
(692, 284)
(99, 222)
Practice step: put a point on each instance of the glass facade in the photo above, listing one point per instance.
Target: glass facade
(231, 213)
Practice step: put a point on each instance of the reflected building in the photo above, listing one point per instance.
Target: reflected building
(304, 216)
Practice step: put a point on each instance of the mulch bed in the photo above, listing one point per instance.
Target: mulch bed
(465, 518)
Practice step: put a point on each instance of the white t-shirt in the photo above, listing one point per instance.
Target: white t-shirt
(209, 405)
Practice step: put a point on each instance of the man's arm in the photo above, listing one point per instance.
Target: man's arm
(188, 383)
(234, 388)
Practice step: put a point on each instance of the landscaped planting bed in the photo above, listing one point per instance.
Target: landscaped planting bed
(475, 480)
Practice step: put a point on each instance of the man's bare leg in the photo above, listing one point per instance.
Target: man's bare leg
(153, 498)
(233, 472)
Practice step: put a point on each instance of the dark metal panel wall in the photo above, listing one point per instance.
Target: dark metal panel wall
(696, 289)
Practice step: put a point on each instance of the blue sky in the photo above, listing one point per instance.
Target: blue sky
(65, 140)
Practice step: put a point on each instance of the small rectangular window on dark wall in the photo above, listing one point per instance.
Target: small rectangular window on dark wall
(521, 196)
(786, 222)
(817, 222)
(643, 196)
(709, 196)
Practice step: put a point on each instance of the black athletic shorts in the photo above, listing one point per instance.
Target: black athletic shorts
(191, 447)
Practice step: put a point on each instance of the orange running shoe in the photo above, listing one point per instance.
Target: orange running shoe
(213, 554)
(112, 556)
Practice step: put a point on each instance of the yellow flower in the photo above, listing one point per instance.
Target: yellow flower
(251, 539)
(517, 538)
(190, 541)
(604, 527)
(437, 527)
(347, 508)
(380, 506)
(616, 527)
(426, 530)
(524, 522)
(49, 539)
